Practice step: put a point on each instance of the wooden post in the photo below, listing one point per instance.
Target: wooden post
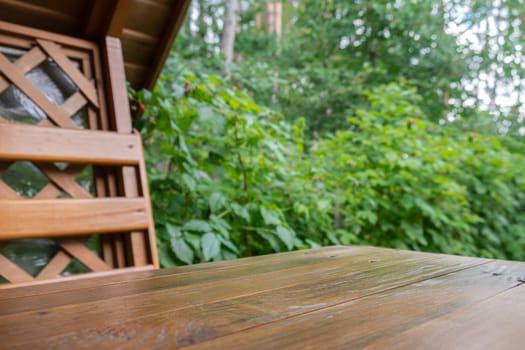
(121, 119)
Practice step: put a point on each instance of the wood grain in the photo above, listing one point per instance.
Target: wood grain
(330, 298)
(198, 273)
(78, 292)
(12, 272)
(27, 142)
(494, 323)
(142, 246)
(64, 217)
(365, 321)
(159, 305)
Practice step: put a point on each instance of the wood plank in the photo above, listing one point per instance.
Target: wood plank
(55, 266)
(38, 14)
(12, 272)
(96, 19)
(180, 277)
(73, 104)
(140, 37)
(494, 323)
(74, 146)
(54, 51)
(7, 192)
(18, 30)
(82, 253)
(77, 278)
(63, 217)
(48, 192)
(166, 42)
(206, 271)
(141, 251)
(151, 238)
(118, 96)
(162, 303)
(64, 180)
(365, 321)
(25, 63)
(14, 41)
(17, 78)
(30, 60)
(119, 17)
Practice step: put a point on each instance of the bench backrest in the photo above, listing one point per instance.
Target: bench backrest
(59, 116)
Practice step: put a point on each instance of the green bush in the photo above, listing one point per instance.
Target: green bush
(229, 178)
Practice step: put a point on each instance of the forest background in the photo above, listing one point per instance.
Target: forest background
(281, 125)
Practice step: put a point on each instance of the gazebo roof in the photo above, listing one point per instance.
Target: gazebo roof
(146, 28)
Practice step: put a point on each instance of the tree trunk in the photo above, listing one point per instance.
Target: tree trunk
(228, 33)
(201, 25)
(274, 17)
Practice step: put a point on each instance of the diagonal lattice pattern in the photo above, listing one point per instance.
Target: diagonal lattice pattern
(44, 87)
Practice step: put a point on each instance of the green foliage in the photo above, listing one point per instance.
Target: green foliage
(372, 122)
(410, 184)
(230, 178)
(219, 167)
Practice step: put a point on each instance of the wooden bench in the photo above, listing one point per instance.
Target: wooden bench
(74, 117)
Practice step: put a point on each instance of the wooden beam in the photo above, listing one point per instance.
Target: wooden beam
(141, 251)
(96, 20)
(116, 87)
(119, 18)
(163, 49)
(27, 142)
(18, 30)
(66, 217)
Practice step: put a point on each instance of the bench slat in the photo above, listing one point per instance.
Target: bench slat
(65, 217)
(36, 143)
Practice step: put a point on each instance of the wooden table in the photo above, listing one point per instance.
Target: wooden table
(330, 298)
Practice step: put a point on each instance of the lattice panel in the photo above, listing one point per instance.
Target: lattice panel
(50, 81)
(60, 183)
(54, 100)
(15, 80)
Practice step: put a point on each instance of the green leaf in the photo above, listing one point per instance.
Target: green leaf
(229, 244)
(197, 225)
(189, 181)
(286, 236)
(165, 258)
(210, 246)
(182, 250)
(240, 211)
(173, 231)
(217, 201)
(270, 217)
(312, 244)
(193, 239)
(271, 240)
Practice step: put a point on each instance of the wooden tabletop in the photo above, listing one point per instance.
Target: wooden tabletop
(330, 298)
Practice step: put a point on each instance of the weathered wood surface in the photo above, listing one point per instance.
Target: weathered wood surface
(330, 298)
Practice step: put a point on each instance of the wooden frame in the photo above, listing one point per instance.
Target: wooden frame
(115, 153)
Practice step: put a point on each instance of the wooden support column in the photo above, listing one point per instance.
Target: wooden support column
(121, 119)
